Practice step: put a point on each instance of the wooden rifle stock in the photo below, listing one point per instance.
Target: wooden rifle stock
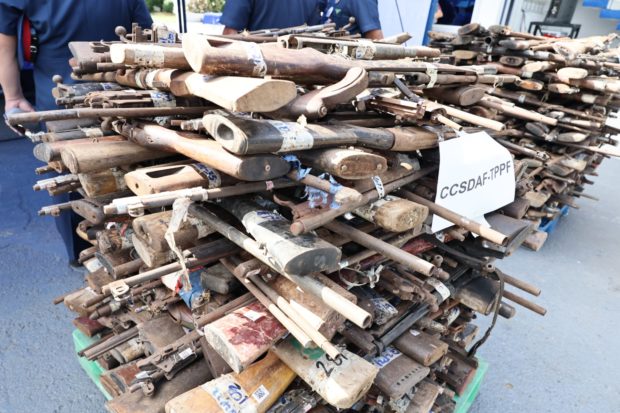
(308, 284)
(198, 147)
(242, 336)
(306, 66)
(306, 224)
(341, 381)
(148, 55)
(238, 94)
(170, 177)
(345, 163)
(50, 151)
(245, 136)
(254, 389)
(97, 156)
(317, 103)
(295, 254)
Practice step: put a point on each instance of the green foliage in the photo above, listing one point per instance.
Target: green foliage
(155, 5)
(204, 6)
(168, 6)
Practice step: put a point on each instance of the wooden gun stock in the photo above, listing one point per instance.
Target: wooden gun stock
(341, 381)
(211, 153)
(294, 254)
(98, 156)
(254, 389)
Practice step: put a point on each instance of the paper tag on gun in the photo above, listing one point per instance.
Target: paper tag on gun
(476, 176)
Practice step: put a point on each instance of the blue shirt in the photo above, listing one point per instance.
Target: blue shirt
(366, 13)
(269, 14)
(59, 22)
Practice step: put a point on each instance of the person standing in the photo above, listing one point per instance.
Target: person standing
(365, 12)
(53, 24)
(251, 15)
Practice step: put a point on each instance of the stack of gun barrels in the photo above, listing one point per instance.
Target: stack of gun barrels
(259, 208)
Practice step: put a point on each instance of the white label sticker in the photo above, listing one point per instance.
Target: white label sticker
(93, 132)
(389, 355)
(213, 176)
(294, 136)
(378, 185)
(414, 333)
(137, 77)
(476, 176)
(142, 375)
(149, 79)
(166, 36)
(162, 99)
(613, 122)
(255, 56)
(186, 353)
(260, 394)
(229, 395)
(439, 287)
(253, 315)
(383, 310)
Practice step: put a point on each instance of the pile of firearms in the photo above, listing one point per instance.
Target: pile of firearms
(556, 101)
(259, 208)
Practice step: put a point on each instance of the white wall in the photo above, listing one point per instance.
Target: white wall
(414, 14)
(591, 23)
(588, 17)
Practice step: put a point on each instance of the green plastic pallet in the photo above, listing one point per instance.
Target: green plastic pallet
(464, 402)
(92, 368)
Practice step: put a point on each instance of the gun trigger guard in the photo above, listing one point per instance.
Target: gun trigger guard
(118, 289)
(431, 71)
(135, 210)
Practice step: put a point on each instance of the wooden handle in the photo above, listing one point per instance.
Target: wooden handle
(394, 214)
(211, 153)
(412, 139)
(345, 163)
(341, 381)
(99, 156)
(247, 136)
(409, 260)
(317, 103)
(170, 177)
(240, 94)
(255, 389)
(294, 254)
(148, 55)
(51, 151)
(242, 336)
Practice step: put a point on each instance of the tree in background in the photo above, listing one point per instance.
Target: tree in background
(204, 6)
(166, 6)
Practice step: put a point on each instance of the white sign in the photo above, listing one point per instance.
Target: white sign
(476, 176)
(613, 122)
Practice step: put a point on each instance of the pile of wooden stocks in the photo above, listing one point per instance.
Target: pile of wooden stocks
(556, 100)
(259, 208)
